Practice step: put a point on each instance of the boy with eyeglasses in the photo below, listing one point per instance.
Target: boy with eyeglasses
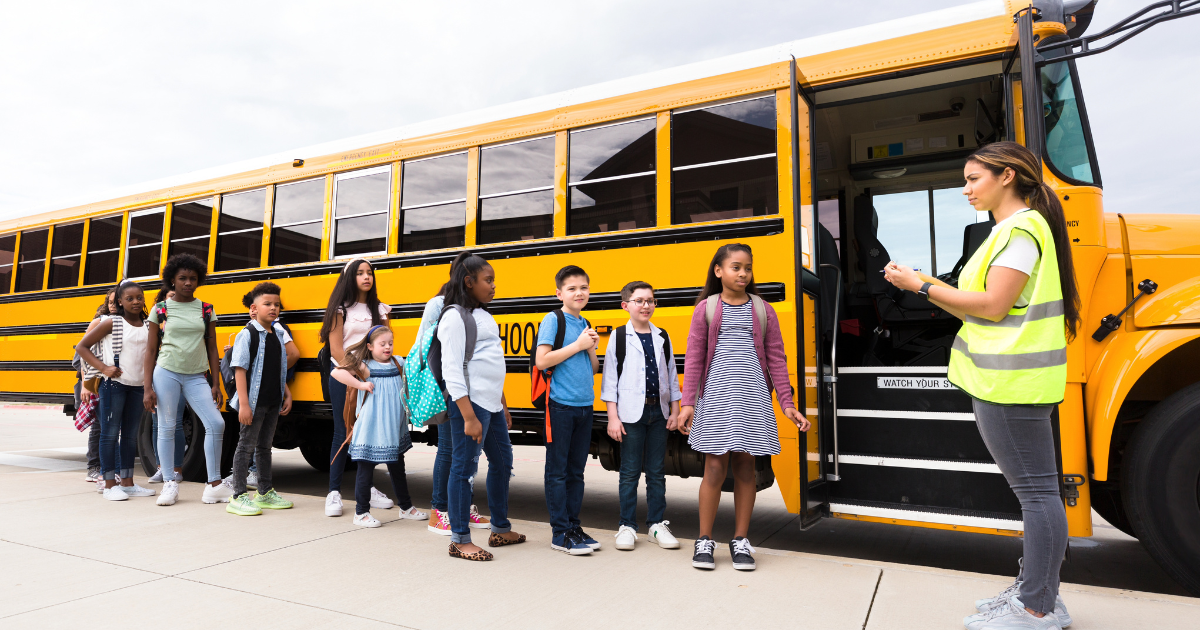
(640, 387)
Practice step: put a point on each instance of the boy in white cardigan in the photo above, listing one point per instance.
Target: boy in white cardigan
(640, 388)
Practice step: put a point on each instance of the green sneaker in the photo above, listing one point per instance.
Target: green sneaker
(271, 500)
(243, 505)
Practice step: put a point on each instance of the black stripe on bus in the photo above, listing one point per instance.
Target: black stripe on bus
(512, 365)
(690, 234)
(770, 291)
(36, 366)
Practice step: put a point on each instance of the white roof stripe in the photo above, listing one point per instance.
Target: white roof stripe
(650, 80)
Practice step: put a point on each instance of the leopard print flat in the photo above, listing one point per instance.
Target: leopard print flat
(498, 540)
(478, 556)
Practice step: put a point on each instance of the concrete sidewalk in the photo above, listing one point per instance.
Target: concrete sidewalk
(74, 560)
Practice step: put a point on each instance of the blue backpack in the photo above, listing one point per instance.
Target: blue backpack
(427, 396)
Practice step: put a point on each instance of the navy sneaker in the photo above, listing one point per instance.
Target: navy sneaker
(703, 557)
(740, 549)
(569, 544)
(586, 539)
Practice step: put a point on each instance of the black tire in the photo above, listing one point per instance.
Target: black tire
(193, 458)
(1161, 485)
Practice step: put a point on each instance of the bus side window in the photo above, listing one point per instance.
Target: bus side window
(433, 210)
(191, 225)
(611, 177)
(144, 250)
(65, 252)
(360, 212)
(8, 246)
(297, 222)
(723, 162)
(31, 263)
(516, 191)
(240, 230)
(104, 250)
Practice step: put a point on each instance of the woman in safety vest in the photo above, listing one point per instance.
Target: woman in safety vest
(1018, 302)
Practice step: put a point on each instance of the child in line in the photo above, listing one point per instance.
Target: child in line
(380, 434)
(735, 357)
(262, 396)
(121, 389)
(478, 418)
(572, 394)
(188, 350)
(642, 396)
(180, 439)
(83, 394)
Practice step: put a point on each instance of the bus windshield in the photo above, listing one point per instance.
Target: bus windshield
(1066, 141)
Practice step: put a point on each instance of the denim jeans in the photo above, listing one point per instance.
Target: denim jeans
(337, 400)
(120, 415)
(180, 438)
(465, 462)
(441, 467)
(644, 448)
(364, 479)
(1021, 441)
(93, 448)
(172, 388)
(571, 430)
(254, 440)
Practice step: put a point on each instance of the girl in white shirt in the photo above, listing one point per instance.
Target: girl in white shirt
(354, 308)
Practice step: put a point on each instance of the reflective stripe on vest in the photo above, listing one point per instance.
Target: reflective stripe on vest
(1021, 359)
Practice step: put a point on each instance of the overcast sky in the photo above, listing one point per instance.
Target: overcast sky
(98, 95)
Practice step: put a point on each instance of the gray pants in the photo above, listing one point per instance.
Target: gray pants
(255, 441)
(93, 448)
(1021, 441)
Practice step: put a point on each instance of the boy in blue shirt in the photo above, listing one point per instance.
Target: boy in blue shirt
(572, 394)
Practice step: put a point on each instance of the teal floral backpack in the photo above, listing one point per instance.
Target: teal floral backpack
(427, 398)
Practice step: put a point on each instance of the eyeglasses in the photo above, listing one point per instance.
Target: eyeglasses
(640, 302)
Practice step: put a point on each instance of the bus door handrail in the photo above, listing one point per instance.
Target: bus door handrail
(831, 378)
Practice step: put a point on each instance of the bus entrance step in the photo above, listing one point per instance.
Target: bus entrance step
(924, 484)
(900, 389)
(890, 512)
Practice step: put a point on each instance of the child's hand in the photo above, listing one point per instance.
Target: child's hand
(684, 421)
(286, 407)
(802, 423)
(473, 428)
(150, 400)
(673, 422)
(366, 386)
(216, 394)
(225, 349)
(616, 428)
(244, 415)
(111, 371)
(587, 339)
(85, 395)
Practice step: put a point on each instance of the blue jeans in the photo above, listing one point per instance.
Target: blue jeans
(172, 389)
(643, 448)
(465, 463)
(441, 467)
(1021, 440)
(180, 438)
(337, 400)
(120, 415)
(566, 455)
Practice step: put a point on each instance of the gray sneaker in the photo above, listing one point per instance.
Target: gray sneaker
(985, 605)
(1011, 615)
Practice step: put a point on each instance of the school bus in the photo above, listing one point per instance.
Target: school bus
(829, 156)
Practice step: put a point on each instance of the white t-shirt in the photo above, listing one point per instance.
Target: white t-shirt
(1021, 253)
(358, 323)
(133, 352)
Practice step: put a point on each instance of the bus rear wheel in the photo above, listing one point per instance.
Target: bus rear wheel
(1161, 485)
(193, 454)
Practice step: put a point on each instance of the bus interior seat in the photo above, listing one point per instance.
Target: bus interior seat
(973, 236)
(828, 255)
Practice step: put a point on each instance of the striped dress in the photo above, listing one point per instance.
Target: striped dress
(734, 412)
(381, 432)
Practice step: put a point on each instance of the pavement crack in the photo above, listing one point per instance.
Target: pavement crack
(873, 596)
(265, 551)
(288, 601)
(120, 588)
(75, 555)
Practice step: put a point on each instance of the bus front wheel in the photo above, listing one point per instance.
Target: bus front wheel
(1161, 485)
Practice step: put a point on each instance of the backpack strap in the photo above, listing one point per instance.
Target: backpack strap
(710, 308)
(206, 312)
(118, 334)
(561, 334)
(760, 313)
(621, 350)
(253, 348)
(667, 354)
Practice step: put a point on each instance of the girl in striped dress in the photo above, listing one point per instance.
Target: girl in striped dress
(735, 357)
(380, 434)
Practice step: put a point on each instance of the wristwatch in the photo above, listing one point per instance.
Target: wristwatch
(924, 290)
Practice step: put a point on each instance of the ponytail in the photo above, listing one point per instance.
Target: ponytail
(999, 156)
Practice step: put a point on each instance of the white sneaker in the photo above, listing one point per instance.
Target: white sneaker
(986, 605)
(333, 504)
(169, 493)
(661, 536)
(366, 520)
(626, 538)
(100, 487)
(413, 514)
(380, 501)
(220, 493)
(114, 494)
(252, 480)
(157, 477)
(94, 476)
(1011, 615)
(136, 491)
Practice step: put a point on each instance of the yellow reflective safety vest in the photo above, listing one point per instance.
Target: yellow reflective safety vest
(1021, 359)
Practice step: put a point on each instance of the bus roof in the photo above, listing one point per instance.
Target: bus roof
(801, 48)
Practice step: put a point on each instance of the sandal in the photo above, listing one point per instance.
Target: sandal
(498, 540)
(478, 556)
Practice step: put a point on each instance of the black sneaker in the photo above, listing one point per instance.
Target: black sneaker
(740, 549)
(703, 557)
(583, 537)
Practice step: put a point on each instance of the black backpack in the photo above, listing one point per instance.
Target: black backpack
(619, 333)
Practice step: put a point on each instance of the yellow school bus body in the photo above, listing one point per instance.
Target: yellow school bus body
(1112, 253)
